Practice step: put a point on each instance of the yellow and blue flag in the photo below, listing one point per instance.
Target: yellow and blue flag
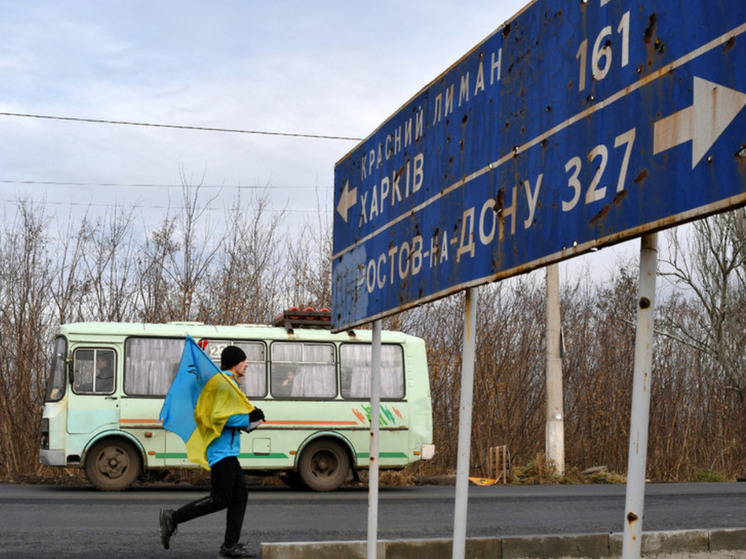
(200, 401)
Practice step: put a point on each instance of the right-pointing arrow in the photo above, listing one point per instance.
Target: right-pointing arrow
(715, 106)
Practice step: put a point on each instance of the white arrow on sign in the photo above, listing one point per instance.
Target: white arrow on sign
(715, 106)
(347, 200)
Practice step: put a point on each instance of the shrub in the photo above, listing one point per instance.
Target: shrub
(708, 475)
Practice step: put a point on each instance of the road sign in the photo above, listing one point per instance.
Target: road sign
(574, 126)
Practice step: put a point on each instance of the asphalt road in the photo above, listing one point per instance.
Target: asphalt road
(77, 521)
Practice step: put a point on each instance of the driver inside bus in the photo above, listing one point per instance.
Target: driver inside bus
(104, 372)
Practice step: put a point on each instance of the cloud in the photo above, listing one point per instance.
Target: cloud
(334, 68)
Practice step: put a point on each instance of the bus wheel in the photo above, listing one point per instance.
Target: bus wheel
(112, 465)
(323, 465)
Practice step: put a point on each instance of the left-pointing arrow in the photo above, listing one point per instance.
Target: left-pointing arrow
(347, 199)
(715, 106)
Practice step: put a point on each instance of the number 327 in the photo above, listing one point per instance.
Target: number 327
(601, 152)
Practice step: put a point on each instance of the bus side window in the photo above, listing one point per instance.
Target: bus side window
(94, 371)
(355, 361)
(254, 383)
(303, 370)
(150, 365)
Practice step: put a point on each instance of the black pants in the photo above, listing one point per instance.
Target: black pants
(228, 491)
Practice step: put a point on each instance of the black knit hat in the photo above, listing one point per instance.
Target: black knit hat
(231, 355)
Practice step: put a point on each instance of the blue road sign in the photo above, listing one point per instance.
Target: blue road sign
(575, 125)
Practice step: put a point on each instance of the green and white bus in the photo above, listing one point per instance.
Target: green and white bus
(108, 382)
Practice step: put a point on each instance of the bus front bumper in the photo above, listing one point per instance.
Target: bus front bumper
(52, 457)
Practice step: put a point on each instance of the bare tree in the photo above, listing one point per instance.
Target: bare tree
(108, 259)
(710, 265)
(510, 390)
(309, 263)
(24, 279)
(599, 334)
(175, 261)
(508, 397)
(154, 286)
(199, 242)
(69, 287)
(244, 285)
(441, 325)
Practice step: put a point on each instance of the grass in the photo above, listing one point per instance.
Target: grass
(542, 471)
(709, 475)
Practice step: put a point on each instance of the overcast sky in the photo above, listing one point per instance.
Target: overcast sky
(299, 67)
(322, 67)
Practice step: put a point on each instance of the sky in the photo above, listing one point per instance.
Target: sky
(321, 68)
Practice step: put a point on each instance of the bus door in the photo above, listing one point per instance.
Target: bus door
(139, 418)
(94, 404)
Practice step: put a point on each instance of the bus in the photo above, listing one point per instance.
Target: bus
(108, 382)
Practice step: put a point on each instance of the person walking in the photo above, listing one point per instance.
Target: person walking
(228, 484)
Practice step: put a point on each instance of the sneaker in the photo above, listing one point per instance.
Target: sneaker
(168, 526)
(237, 550)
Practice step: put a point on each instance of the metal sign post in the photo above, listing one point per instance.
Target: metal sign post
(464, 424)
(555, 415)
(638, 431)
(375, 431)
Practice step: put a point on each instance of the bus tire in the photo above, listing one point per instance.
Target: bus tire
(323, 465)
(112, 465)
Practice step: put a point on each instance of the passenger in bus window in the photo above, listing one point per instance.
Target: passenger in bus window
(283, 377)
(228, 484)
(104, 372)
(286, 386)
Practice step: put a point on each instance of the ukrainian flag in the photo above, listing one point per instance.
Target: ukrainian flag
(200, 401)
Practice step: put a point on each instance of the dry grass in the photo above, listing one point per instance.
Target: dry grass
(390, 478)
(542, 471)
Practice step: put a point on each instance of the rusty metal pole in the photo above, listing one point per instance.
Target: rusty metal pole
(375, 414)
(638, 431)
(464, 424)
(555, 422)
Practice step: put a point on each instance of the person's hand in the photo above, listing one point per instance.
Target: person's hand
(256, 415)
